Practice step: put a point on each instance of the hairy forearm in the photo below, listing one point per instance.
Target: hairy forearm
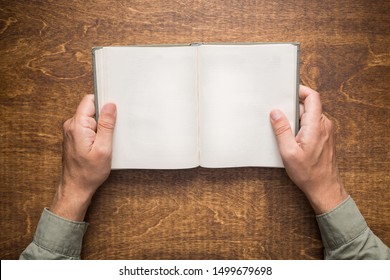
(70, 205)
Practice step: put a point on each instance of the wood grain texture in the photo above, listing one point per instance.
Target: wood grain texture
(242, 213)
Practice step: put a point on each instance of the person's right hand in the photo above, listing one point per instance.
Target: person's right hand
(309, 157)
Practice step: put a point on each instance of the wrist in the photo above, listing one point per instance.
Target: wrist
(70, 204)
(327, 199)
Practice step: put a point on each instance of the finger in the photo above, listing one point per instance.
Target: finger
(91, 122)
(304, 92)
(301, 110)
(105, 126)
(282, 130)
(86, 106)
(312, 103)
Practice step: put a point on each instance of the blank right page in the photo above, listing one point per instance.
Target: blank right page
(238, 87)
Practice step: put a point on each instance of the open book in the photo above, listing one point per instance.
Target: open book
(184, 106)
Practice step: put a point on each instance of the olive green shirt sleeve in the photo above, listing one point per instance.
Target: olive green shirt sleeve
(56, 238)
(345, 234)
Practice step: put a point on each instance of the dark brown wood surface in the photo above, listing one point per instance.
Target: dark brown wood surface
(241, 213)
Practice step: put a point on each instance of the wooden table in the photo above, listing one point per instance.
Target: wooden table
(239, 213)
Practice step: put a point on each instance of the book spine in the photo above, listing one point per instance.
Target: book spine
(95, 82)
(297, 114)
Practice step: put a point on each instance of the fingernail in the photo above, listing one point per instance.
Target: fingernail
(275, 115)
(110, 108)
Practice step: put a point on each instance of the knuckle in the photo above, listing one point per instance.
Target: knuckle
(92, 123)
(326, 119)
(291, 155)
(102, 151)
(68, 128)
(105, 124)
(83, 121)
(281, 129)
(328, 126)
(316, 94)
(66, 124)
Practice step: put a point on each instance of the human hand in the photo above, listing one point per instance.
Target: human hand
(86, 159)
(309, 157)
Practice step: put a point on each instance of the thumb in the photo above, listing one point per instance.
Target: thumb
(282, 130)
(106, 124)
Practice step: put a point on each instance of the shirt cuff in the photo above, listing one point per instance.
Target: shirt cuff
(341, 225)
(60, 235)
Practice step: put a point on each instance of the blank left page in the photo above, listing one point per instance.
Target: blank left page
(154, 89)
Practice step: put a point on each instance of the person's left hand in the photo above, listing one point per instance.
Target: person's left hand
(86, 159)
